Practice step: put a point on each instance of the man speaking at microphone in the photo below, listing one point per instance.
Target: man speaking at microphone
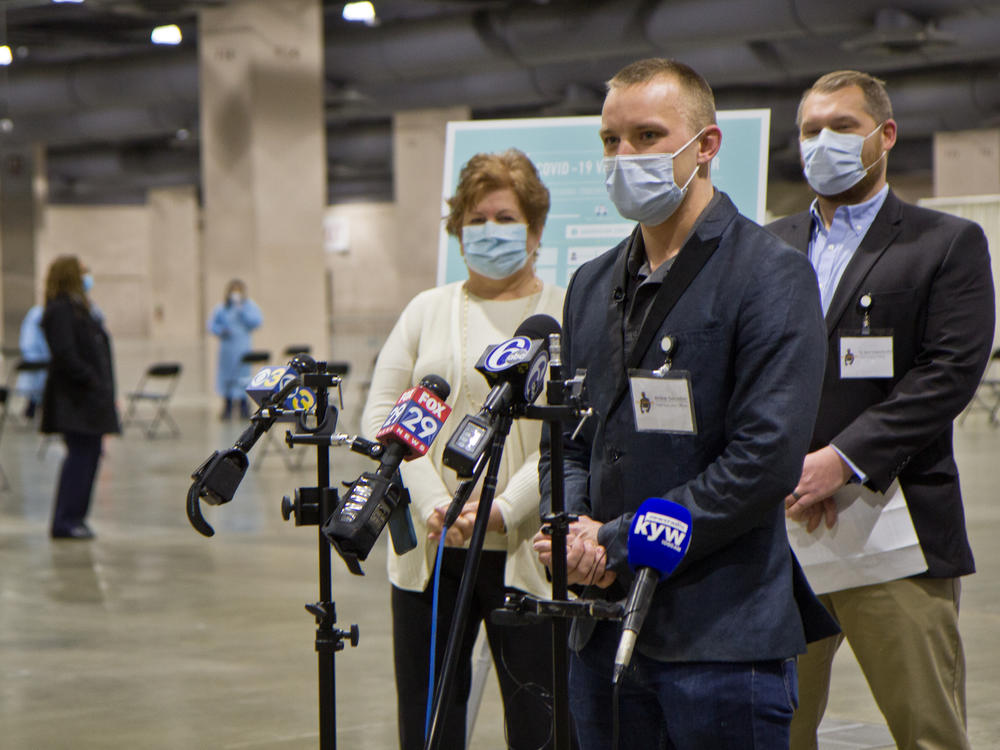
(702, 338)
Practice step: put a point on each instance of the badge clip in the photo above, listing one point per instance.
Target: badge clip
(667, 346)
(865, 305)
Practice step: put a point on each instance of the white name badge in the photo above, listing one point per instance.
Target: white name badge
(866, 356)
(662, 403)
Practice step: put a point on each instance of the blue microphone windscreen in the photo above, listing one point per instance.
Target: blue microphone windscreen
(659, 536)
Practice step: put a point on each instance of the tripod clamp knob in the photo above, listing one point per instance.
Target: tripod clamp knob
(353, 635)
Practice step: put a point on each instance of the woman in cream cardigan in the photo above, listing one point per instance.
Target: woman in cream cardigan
(497, 213)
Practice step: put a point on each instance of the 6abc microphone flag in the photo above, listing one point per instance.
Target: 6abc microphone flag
(516, 371)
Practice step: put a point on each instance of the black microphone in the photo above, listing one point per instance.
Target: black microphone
(219, 476)
(657, 542)
(515, 370)
(377, 498)
(281, 386)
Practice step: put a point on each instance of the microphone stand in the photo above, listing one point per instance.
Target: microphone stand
(217, 479)
(558, 521)
(559, 608)
(470, 572)
(311, 507)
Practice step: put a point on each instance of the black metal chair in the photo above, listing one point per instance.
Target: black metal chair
(256, 357)
(26, 367)
(156, 386)
(4, 393)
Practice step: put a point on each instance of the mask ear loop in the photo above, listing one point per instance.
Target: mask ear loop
(673, 156)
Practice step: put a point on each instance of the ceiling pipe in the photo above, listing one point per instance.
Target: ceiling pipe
(152, 79)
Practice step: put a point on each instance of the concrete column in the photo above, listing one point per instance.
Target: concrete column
(22, 194)
(176, 294)
(264, 164)
(418, 141)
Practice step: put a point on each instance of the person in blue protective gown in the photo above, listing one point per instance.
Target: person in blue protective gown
(233, 321)
(33, 349)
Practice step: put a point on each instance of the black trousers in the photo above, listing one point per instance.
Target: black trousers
(522, 656)
(76, 480)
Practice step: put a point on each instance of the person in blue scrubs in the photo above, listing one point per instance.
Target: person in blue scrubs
(233, 321)
(33, 349)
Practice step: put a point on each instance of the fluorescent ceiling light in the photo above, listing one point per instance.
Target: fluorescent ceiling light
(5, 56)
(364, 12)
(166, 35)
(67, 1)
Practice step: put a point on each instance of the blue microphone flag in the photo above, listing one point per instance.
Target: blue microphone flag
(659, 536)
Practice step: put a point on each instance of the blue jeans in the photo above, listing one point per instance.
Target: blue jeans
(681, 705)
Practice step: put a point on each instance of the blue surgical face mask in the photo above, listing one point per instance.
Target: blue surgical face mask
(642, 186)
(832, 161)
(88, 282)
(495, 250)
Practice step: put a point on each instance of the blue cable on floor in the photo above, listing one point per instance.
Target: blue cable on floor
(434, 618)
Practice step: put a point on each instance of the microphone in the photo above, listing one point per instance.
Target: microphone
(376, 498)
(279, 386)
(657, 542)
(515, 370)
(219, 476)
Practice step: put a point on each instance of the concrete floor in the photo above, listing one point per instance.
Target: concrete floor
(154, 637)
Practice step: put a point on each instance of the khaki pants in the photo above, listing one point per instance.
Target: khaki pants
(905, 637)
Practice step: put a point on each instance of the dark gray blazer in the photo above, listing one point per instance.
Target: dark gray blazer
(930, 280)
(749, 330)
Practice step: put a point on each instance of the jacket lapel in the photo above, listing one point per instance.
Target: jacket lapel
(614, 321)
(800, 232)
(880, 235)
(692, 258)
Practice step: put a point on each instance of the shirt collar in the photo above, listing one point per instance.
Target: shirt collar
(858, 216)
(636, 262)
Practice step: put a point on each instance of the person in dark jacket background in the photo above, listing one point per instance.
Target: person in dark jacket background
(79, 397)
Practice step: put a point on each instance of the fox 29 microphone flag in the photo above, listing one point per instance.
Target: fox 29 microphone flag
(417, 417)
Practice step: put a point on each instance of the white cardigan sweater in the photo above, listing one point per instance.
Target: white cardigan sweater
(432, 334)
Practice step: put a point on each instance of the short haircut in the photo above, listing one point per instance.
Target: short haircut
(486, 173)
(699, 98)
(65, 277)
(876, 98)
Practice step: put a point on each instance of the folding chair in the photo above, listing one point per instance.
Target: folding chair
(156, 385)
(256, 357)
(30, 392)
(987, 395)
(4, 393)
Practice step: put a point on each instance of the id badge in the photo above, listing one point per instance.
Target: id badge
(866, 356)
(662, 402)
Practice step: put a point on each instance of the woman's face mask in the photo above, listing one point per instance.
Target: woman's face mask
(495, 250)
(832, 161)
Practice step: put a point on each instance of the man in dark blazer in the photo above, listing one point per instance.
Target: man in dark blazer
(720, 308)
(920, 282)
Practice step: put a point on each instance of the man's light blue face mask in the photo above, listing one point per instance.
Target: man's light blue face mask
(642, 186)
(832, 161)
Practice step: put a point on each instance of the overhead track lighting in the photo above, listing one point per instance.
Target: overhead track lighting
(360, 12)
(166, 35)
